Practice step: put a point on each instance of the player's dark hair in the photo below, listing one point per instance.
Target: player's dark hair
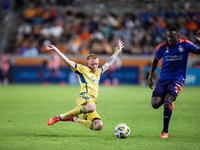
(173, 28)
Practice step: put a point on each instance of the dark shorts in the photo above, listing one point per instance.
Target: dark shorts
(172, 87)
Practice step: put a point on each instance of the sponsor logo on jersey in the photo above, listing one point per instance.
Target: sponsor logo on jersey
(180, 49)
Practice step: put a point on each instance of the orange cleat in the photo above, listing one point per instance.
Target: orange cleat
(172, 107)
(69, 118)
(53, 120)
(164, 135)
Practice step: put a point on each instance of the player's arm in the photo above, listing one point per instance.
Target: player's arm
(112, 59)
(154, 64)
(197, 36)
(71, 64)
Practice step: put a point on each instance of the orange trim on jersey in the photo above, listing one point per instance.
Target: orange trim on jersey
(181, 40)
(188, 41)
(161, 44)
(184, 40)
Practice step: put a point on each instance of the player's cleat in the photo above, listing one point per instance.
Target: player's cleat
(53, 120)
(69, 118)
(172, 107)
(164, 135)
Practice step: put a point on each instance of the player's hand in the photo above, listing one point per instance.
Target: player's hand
(49, 47)
(150, 82)
(120, 45)
(197, 36)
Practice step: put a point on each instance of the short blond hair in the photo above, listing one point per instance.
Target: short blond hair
(92, 56)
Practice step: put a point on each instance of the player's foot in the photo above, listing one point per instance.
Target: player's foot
(75, 118)
(53, 120)
(69, 118)
(172, 107)
(164, 135)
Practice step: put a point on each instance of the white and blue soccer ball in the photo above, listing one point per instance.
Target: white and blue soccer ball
(122, 131)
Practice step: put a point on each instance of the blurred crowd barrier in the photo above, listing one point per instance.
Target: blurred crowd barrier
(131, 71)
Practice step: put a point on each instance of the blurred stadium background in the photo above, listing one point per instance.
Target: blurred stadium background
(80, 27)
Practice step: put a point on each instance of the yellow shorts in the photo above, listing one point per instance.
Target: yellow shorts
(84, 99)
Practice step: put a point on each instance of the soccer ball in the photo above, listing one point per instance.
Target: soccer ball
(122, 131)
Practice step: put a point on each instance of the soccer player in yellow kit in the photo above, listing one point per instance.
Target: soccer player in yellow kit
(89, 77)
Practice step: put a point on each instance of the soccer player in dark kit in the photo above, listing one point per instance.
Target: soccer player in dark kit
(174, 52)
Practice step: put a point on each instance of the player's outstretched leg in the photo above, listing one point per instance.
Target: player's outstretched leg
(69, 118)
(87, 123)
(167, 116)
(74, 112)
(57, 118)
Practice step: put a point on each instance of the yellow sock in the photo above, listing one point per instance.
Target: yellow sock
(87, 123)
(76, 111)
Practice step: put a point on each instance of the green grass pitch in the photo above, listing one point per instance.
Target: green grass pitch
(25, 109)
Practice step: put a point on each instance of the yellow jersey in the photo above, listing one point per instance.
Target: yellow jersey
(88, 80)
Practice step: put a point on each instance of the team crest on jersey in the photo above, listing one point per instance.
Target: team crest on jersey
(167, 50)
(180, 49)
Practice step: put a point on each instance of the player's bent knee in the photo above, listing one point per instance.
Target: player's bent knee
(156, 102)
(98, 125)
(155, 105)
(91, 107)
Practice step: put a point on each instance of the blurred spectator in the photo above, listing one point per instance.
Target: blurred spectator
(30, 13)
(31, 50)
(84, 48)
(5, 6)
(56, 31)
(97, 34)
(191, 25)
(38, 15)
(53, 12)
(183, 31)
(129, 24)
(96, 47)
(110, 78)
(107, 48)
(4, 68)
(197, 64)
(46, 16)
(36, 31)
(53, 67)
(146, 50)
(45, 32)
(24, 31)
(73, 45)
(85, 35)
(191, 13)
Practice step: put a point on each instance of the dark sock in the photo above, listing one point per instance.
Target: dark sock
(167, 115)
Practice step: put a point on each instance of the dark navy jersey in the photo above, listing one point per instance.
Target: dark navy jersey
(174, 59)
